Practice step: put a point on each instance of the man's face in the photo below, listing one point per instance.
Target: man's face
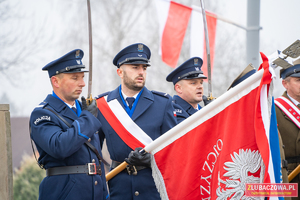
(191, 90)
(292, 86)
(133, 76)
(68, 86)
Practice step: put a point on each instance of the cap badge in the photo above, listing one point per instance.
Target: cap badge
(77, 54)
(140, 55)
(78, 62)
(140, 47)
(196, 61)
(197, 69)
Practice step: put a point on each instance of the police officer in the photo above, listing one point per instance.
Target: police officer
(150, 111)
(188, 84)
(287, 113)
(61, 128)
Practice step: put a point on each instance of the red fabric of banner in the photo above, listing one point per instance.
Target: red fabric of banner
(174, 31)
(193, 166)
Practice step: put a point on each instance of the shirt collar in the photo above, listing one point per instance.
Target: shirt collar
(125, 96)
(293, 100)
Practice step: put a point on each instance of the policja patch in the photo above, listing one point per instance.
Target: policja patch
(43, 118)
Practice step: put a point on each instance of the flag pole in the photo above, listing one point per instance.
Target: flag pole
(294, 173)
(89, 96)
(226, 20)
(210, 97)
(116, 171)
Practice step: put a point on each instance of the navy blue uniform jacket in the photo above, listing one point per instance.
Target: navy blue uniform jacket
(59, 145)
(154, 114)
(183, 109)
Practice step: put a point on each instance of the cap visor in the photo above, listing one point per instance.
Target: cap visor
(75, 71)
(139, 62)
(295, 75)
(199, 76)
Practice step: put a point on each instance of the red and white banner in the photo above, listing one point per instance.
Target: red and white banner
(173, 22)
(213, 153)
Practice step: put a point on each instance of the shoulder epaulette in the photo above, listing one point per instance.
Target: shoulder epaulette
(42, 104)
(102, 95)
(163, 94)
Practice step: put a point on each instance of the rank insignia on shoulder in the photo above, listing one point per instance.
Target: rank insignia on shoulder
(102, 95)
(42, 104)
(163, 94)
(43, 118)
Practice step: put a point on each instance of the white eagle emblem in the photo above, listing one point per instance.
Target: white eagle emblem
(238, 172)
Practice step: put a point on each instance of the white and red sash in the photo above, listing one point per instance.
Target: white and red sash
(289, 109)
(122, 124)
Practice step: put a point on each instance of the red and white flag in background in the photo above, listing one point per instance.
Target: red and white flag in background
(173, 22)
(213, 153)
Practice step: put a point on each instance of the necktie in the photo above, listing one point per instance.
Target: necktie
(130, 101)
(75, 110)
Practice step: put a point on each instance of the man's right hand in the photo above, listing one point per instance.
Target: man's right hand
(92, 108)
(138, 159)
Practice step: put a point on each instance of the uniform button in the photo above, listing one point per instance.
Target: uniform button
(136, 193)
(89, 139)
(96, 182)
(97, 132)
(93, 160)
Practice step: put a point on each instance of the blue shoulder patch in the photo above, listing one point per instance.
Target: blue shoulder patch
(102, 95)
(163, 94)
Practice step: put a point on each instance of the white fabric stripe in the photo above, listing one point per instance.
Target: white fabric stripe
(206, 113)
(127, 122)
(266, 115)
(287, 112)
(197, 33)
(162, 8)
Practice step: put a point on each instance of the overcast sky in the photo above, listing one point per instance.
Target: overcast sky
(278, 19)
